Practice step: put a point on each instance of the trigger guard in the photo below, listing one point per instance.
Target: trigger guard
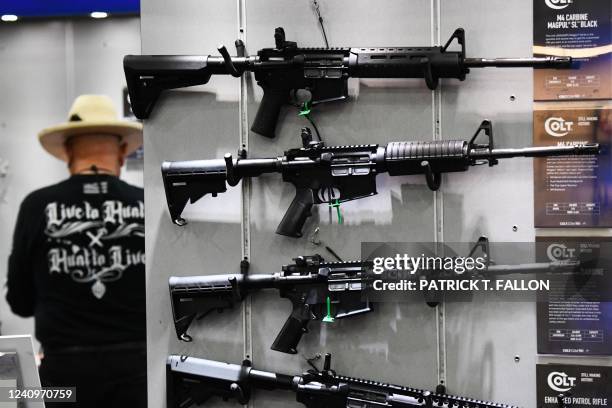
(321, 195)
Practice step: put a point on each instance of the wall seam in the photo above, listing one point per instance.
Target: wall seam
(440, 311)
(243, 126)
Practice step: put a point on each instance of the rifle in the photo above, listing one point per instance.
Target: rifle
(317, 289)
(193, 381)
(336, 174)
(311, 284)
(324, 73)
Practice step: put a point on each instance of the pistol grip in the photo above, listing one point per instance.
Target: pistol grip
(297, 214)
(290, 335)
(269, 110)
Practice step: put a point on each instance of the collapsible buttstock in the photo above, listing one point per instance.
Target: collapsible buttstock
(186, 308)
(191, 381)
(181, 325)
(148, 75)
(188, 181)
(197, 296)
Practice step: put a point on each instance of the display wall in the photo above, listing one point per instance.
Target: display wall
(472, 347)
(44, 66)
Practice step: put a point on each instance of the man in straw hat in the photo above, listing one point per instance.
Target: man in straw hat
(77, 263)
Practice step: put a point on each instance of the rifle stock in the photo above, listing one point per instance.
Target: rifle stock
(188, 181)
(147, 76)
(195, 297)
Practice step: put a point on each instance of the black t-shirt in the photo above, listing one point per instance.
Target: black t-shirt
(77, 263)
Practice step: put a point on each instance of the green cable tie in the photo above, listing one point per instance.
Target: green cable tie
(336, 204)
(305, 109)
(328, 318)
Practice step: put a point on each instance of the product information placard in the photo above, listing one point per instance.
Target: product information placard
(579, 29)
(584, 386)
(573, 191)
(575, 316)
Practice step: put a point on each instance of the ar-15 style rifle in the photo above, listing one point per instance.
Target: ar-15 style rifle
(336, 174)
(322, 72)
(317, 289)
(193, 381)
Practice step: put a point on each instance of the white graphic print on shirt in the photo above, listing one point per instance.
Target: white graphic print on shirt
(84, 241)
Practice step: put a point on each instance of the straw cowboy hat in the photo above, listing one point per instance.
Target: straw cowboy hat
(90, 114)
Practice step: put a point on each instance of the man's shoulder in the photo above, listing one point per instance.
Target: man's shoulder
(132, 191)
(58, 191)
(44, 194)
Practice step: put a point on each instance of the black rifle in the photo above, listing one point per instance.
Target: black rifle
(335, 174)
(323, 72)
(193, 381)
(310, 283)
(318, 290)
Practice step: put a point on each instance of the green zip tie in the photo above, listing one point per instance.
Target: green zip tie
(328, 318)
(336, 204)
(305, 109)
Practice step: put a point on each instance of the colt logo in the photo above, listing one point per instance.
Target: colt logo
(559, 252)
(560, 382)
(557, 127)
(558, 4)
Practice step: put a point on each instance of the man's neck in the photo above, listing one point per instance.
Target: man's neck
(94, 167)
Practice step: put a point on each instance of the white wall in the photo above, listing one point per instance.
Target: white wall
(44, 65)
(397, 343)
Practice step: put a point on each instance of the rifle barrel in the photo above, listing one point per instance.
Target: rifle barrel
(533, 267)
(536, 62)
(545, 151)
